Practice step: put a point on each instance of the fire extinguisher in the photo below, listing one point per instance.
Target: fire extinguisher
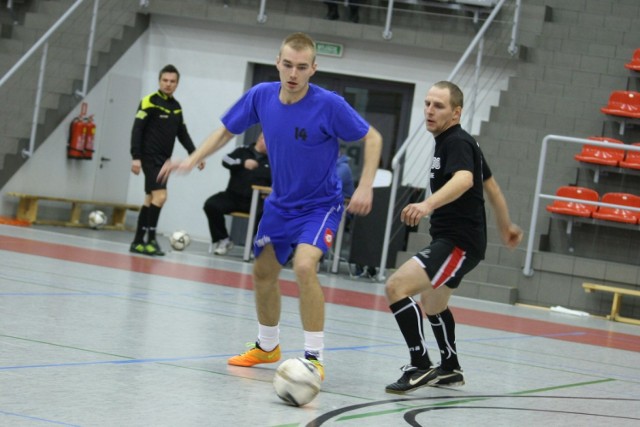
(90, 134)
(77, 137)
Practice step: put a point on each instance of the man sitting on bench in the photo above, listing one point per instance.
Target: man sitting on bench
(249, 166)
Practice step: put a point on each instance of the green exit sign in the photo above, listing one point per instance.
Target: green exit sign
(329, 49)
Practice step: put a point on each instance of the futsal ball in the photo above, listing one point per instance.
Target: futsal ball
(179, 240)
(297, 381)
(97, 219)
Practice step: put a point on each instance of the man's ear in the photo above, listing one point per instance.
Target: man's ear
(457, 113)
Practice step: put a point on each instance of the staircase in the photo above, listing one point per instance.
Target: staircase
(120, 23)
(572, 64)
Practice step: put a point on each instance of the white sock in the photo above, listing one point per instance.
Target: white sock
(268, 337)
(314, 343)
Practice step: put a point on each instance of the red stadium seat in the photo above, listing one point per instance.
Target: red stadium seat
(634, 64)
(623, 107)
(624, 103)
(619, 214)
(601, 155)
(632, 159)
(574, 208)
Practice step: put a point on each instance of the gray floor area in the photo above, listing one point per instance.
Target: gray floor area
(93, 336)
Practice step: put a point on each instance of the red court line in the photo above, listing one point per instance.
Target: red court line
(162, 267)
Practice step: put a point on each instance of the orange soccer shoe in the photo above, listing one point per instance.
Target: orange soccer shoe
(254, 356)
(318, 366)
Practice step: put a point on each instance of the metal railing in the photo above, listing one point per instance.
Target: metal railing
(43, 43)
(528, 270)
(390, 8)
(60, 49)
(12, 11)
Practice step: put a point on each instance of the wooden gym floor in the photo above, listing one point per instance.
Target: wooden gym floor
(91, 335)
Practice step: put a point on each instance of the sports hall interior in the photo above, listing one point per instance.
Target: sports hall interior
(93, 335)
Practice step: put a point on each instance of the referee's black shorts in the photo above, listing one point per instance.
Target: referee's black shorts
(151, 170)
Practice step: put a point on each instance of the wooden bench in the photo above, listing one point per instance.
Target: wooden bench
(28, 211)
(240, 214)
(617, 300)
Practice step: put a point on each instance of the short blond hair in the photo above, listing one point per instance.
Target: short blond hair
(299, 42)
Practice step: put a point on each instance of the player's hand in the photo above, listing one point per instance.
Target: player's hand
(361, 201)
(413, 213)
(136, 166)
(250, 164)
(170, 166)
(512, 237)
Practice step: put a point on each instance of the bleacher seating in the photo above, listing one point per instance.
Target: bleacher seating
(634, 64)
(619, 214)
(632, 159)
(601, 155)
(634, 70)
(576, 212)
(574, 208)
(601, 158)
(623, 108)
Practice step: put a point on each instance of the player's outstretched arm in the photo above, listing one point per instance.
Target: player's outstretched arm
(460, 182)
(510, 233)
(216, 140)
(362, 198)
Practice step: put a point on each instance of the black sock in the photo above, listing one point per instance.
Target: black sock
(154, 214)
(141, 229)
(409, 317)
(444, 329)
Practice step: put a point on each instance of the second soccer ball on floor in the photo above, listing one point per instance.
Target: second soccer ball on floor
(179, 240)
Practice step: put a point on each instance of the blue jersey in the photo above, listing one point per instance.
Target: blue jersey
(302, 141)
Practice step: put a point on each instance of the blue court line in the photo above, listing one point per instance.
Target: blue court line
(520, 336)
(177, 359)
(44, 420)
(114, 362)
(168, 359)
(63, 294)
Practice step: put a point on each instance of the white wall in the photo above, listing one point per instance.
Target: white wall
(214, 62)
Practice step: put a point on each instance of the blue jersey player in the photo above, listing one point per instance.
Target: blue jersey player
(302, 124)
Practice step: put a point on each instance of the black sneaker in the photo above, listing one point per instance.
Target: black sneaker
(443, 377)
(411, 379)
(153, 248)
(414, 378)
(137, 248)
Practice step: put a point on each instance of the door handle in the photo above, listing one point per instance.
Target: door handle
(102, 160)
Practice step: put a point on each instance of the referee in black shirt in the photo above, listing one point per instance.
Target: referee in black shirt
(157, 124)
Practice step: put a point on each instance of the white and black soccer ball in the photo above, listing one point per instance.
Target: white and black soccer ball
(297, 381)
(97, 219)
(179, 240)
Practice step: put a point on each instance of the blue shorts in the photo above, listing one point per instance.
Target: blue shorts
(287, 229)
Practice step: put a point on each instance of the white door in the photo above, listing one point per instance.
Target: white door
(113, 170)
